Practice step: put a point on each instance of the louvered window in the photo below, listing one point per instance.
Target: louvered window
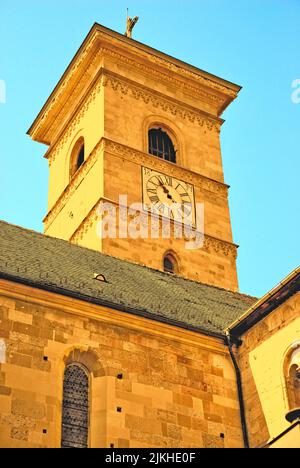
(161, 145)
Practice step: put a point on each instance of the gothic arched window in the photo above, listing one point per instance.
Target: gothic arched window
(75, 410)
(161, 145)
(77, 157)
(170, 264)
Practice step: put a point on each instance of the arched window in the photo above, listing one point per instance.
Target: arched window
(77, 157)
(161, 145)
(170, 264)
(75, 411)
(293, 379)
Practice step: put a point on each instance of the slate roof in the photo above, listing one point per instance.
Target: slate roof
(56, 265)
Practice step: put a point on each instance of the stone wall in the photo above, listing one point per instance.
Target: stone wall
(262, 358)
(151, 385)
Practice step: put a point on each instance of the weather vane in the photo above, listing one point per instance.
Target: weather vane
(130, 23)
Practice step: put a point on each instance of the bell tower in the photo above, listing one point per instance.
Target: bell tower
(128, 124)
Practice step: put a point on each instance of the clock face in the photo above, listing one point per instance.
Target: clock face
(169, 197)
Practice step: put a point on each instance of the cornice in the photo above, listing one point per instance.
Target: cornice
(75, 121)
(86, 50)
(138, 91)
(140, 158)
(111, 38)
(81, 308)
(152, 162)
(189, 74)
(211, 244)
(85, 65)
(147, 70)
(75, 95)
(165, 103)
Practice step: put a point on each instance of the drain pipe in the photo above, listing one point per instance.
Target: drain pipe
(240, 391)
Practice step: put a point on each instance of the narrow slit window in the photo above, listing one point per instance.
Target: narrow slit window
(75, 410)
(80, 159)
(77, 157)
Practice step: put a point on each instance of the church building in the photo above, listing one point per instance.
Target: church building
(122, 326)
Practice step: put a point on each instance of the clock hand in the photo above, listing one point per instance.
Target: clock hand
(184, 208)
(169, 196)
(167, 192)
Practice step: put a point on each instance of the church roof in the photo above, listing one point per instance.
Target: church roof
(56, 265)
(267, 304)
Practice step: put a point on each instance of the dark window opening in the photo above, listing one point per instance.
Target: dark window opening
(77, 157)
(170, 264)
(161, 145)
(75, 411)
(80, 159)
(293, 386)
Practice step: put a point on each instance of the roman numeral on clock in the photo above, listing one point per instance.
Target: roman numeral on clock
(150, 190)
(160, 180)
(169, 197)
(154, 198)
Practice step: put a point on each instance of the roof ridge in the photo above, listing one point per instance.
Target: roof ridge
(42, 235)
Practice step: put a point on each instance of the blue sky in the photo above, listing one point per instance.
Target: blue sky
(254, 43)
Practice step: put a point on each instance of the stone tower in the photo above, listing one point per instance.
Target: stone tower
(127, 120)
